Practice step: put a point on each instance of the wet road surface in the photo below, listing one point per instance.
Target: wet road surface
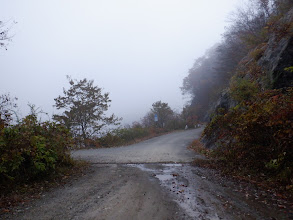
(146, 181)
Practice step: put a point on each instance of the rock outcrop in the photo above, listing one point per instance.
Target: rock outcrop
(279, 54)
(276, 57)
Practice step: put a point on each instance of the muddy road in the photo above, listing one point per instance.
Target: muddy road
(149, 180)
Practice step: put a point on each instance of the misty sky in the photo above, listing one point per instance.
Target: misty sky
(138, 50)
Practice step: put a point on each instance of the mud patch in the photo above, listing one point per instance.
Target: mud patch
(201, 194)
(174, 178)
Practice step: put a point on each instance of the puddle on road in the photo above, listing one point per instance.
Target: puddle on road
(197, 196)
(164, 177)
(175, 178)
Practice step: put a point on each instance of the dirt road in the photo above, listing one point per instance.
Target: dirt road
(149, 180)
(163, 149)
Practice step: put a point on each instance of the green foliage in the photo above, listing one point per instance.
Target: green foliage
(131, 134)
(289, 69)
(242, 89)
(84, 107)
(166, 118)
(257, 53)
(163, 112)
(252, 40)
(124, 136)
(31, 149)
(257, 136)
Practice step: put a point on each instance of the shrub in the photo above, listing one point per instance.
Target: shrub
(32, 149)
(243, 89)
(258, 52)
(124, 136)
(257, 135)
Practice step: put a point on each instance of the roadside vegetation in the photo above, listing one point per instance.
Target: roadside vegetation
(32, 149)
(260, 136)
(35, 153)
(249, 105)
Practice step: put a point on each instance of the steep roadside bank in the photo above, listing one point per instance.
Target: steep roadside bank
(250, 129)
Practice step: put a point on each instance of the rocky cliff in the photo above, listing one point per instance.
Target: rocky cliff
(270, 64)
(278, 54)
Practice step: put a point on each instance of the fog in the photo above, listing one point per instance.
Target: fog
(137, 50)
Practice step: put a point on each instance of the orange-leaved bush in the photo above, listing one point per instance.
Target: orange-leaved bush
(257, 135)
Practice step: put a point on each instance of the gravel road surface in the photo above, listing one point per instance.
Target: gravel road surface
(151, 180)
(167, 148)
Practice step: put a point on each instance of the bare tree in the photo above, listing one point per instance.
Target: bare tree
(7, 108)
(5, 35)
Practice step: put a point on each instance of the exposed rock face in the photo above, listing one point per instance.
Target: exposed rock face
(225, 102)
(279, 54)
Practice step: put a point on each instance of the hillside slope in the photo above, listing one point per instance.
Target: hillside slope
(251, 125)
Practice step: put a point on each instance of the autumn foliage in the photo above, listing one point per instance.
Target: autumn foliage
(32, 149)
(256, 136)
(243, 88)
